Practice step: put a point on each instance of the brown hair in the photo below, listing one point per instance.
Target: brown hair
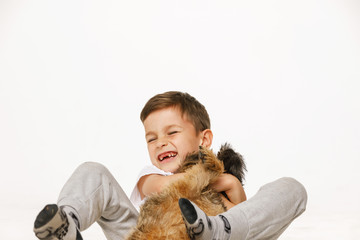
(188, 105)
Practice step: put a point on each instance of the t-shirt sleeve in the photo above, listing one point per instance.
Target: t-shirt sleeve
(135, 196)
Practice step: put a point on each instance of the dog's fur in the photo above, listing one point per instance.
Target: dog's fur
(160, 216)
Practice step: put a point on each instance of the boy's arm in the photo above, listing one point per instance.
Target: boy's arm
(232, 187)
(227, 183)
(155, 183)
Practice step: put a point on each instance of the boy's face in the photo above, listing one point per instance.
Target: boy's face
(170, 137)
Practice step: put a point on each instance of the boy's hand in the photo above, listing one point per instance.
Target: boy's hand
(232, 187)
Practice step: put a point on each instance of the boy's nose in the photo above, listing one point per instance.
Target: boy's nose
(162, 142)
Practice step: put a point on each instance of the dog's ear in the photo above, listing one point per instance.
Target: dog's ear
(233, 162)
(191, 159)
(201, 154)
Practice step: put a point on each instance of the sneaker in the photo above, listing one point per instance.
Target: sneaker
(52, 223)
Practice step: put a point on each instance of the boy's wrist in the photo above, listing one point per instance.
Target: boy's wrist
(232, 187)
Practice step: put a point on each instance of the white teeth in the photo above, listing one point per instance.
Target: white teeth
(169, 155)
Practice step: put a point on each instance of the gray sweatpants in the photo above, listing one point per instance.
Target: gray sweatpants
(95, 196)
(269, 212)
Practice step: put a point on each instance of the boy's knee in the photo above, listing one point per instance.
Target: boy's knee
(93, 168)
(292, 182)
(297, 189)
(288, 186)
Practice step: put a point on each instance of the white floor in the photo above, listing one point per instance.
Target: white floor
(16, 222)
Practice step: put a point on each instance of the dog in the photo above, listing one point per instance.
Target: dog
(160, 217)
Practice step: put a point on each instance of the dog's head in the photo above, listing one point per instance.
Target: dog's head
(194, 158)
(233, 162)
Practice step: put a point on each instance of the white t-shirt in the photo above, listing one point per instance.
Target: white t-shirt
(135, 196)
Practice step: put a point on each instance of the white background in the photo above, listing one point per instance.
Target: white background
(280, 80)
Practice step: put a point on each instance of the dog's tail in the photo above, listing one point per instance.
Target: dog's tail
(233, 162)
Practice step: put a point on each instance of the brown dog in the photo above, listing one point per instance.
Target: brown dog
(160, 216)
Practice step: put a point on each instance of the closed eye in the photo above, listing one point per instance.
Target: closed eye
(151, 140)
(173, 132)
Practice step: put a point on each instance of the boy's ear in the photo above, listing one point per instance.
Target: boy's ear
(206, 138)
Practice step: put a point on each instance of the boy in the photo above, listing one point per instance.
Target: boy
(175, 125)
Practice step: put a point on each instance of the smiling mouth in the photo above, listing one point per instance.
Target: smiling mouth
(166, 155)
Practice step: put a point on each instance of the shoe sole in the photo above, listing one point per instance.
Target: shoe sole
(46, 215)
(51, 223)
